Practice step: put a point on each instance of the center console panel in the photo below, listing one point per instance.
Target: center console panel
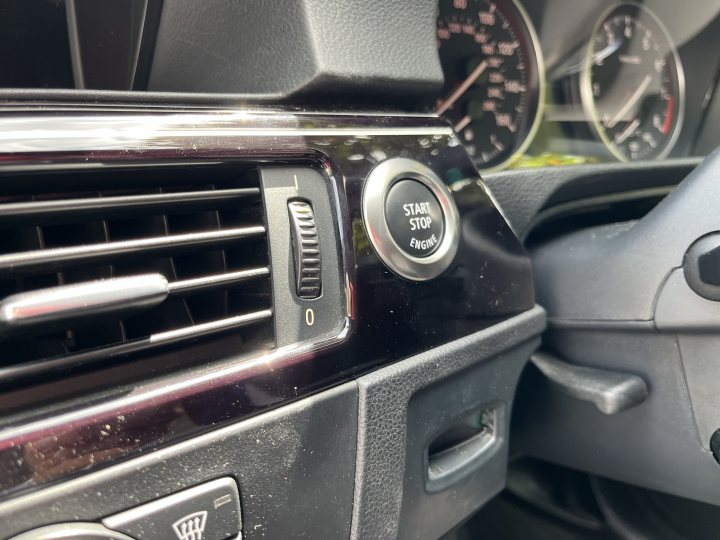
(332, 382)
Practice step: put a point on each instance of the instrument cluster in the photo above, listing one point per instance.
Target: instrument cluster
(615, 93)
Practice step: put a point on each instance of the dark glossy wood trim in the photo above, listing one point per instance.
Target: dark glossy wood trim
(388, 318)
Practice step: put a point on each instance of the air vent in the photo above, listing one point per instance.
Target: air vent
(118, 264)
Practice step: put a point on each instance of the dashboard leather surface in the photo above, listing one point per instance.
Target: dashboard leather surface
(250, 47)
(524, 194)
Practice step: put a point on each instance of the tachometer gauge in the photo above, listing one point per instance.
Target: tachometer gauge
(632, 86)
(493, 81)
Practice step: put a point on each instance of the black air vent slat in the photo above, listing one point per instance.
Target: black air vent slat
(97, 253)
(48, 365)
(208, 282)
(205, 241)
(67, 306)
(64, 210)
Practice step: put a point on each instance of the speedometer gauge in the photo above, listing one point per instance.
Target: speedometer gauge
(493, 81)
(633, 86)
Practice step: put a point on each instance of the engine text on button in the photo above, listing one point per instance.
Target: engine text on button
(424, 244)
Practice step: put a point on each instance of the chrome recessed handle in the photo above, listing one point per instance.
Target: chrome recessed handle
(53, 306)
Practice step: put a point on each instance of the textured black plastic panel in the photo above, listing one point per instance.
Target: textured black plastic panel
(529, 197)
(618, 299)
(631, 260)
(396, 425)
(655, 445)
(294, 479)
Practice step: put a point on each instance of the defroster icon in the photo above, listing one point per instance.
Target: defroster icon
(191, 527)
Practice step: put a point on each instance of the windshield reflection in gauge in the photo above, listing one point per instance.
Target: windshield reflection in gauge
(493, 81)
(632, 85)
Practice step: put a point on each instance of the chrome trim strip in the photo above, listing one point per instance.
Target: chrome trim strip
(66, 133)
(88, 531)
(37, 211)
(82, 300)
(32, 260)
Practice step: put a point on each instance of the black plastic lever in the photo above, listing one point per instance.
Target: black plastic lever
(610, 391)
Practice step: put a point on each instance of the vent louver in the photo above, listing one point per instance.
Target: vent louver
(116, 264)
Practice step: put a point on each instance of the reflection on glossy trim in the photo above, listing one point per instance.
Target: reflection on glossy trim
(144, 131)
(227, 372)
(387, 318)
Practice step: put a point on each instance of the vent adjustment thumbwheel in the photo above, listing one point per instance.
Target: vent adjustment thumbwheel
(306, 250)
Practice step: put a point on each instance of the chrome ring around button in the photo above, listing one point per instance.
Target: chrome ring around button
(377, 186)
(72, 531)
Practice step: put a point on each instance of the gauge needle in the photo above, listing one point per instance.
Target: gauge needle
(630, 103)
(627, 132)
(460, 90)
(463, 123)
(602, 54)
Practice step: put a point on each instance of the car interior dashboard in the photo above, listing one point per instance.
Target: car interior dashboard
(358, 269)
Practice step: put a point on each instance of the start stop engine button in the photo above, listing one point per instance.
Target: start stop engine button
(411, 218)
(414, 217)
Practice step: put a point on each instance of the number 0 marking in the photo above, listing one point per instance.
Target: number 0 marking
(309, 317)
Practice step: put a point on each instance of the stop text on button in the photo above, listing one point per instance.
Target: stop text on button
(418, 209)
(414, 217)
(420, 223)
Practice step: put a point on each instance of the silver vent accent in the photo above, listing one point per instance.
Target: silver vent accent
(115, 268)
